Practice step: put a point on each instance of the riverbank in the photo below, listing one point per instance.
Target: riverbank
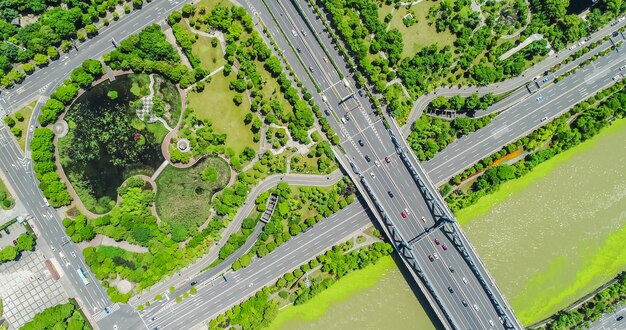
(558, 232)
(374, 297)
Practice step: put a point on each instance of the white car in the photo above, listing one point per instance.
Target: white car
(372, 175)
(436, 255)
(424, 219)
(464, 280)
(622, 68)
(406, 210)
(377, 163)
(475, 307)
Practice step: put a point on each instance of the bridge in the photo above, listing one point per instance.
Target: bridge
(410, 210)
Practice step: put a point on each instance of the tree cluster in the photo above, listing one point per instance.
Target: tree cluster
(45, 169)
(25, 242)
(64, 316)
(81, 77)
(150, 52)
(431, 134)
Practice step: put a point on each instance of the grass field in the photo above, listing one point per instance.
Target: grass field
(419, 34)
(23, 125)
(216, 104)
(212, 3)
(183, 197)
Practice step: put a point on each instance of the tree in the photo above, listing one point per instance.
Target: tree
(25, 242)
(112, 95)
(41, 60)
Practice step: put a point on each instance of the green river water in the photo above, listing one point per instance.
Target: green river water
(547, 239)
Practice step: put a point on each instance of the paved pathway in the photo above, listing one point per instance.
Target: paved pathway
(234, 225)
(106, 240)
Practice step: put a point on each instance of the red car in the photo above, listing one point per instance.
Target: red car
(444, 247)
(15, 242)
(388, 160)
(436, 241)
(403, 214)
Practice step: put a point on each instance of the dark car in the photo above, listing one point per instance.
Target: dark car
(464, 303)
(106, 310)
(451, 269)
(390, 194)
(619, 318)
(6, 230)
(360, 92)
(194, 283)
(361, 143)
(326, 112)
(431, 258)
(368, 158)
(450, 289)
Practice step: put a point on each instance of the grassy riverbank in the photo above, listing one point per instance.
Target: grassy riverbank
(572, 238)
(348, 285)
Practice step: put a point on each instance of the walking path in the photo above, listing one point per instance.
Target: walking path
(234, 225)
(108, 241)
(526, 42)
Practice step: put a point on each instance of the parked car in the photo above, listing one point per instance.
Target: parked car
(444, 247)
(388, 160)
(361, 143)
(15, 242)
(390, 194)
(436, 241)
(431, 258)
(403, 215)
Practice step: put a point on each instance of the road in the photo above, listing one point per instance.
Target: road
(363, 134)
(609, 321)
(18, 171)
(507, 85)
(219, 295)
(190, 273)
(527, 115)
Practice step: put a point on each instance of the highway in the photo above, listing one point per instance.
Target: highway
(221, 293)
(304, 53)
(550, 102)
(510, 84)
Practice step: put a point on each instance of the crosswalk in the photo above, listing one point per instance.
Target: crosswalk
(102, 314)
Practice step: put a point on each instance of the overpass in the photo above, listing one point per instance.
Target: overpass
(410, 210)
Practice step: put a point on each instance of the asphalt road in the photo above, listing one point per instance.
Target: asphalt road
(304, 53)
(219, 295)
(508, 85)
(19, 173)
(549, 102)
(610, 322)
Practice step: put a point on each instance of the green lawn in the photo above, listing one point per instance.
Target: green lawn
(168, 92)
(216, 104)
(140, 85)
(420, 34)
(211, 57)
(184, 198)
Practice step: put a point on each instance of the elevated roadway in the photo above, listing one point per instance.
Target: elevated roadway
(465, 297)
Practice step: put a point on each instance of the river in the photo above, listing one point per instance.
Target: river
(547, 238)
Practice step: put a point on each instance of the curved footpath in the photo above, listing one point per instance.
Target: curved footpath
(510, 84)
(249, 205)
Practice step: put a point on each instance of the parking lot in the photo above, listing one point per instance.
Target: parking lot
(14, 231)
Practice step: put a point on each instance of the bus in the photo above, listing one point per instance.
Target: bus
(82, 276)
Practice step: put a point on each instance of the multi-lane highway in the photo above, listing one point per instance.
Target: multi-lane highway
(529, 114)
(223, 292)
(370, 150)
